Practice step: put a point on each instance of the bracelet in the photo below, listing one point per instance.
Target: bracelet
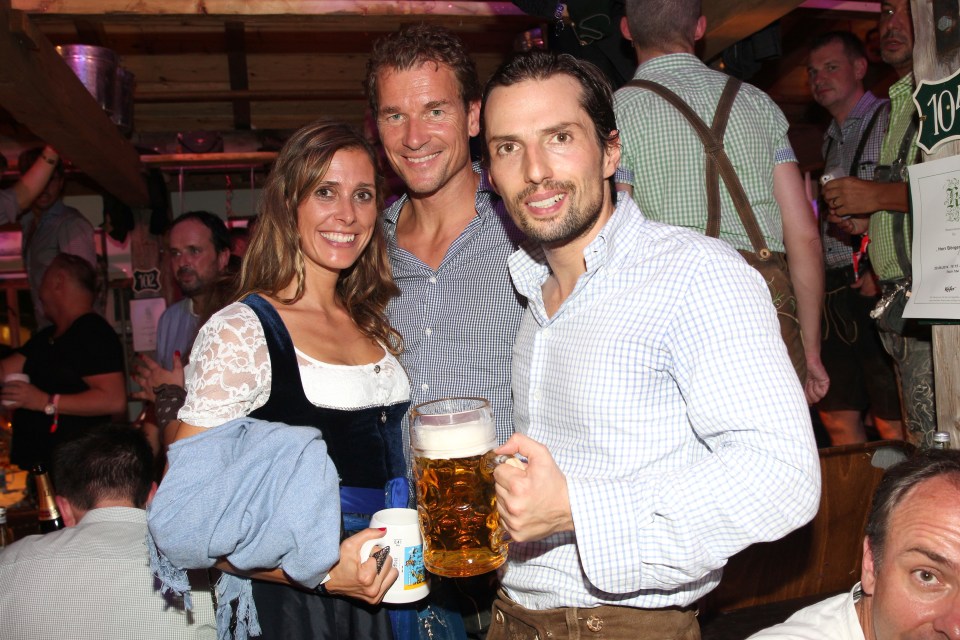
(321, 589)
(558, 17)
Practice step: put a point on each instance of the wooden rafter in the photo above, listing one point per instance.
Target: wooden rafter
(40, 91)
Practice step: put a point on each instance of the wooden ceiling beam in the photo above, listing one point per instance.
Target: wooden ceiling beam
(237, 66)
(412, 8)
(42, 93)
(729, 21)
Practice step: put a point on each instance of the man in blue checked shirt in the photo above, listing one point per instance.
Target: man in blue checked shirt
(663, 424)
(447, 239)
(457, 311)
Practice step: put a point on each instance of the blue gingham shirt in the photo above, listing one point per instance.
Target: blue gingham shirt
(458, 322)
(662, 388)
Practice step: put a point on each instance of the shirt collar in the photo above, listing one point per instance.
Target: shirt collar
(55, 210)
(670, 61)
(903, 85)
(113, 514)
(865, 105)
(528, 265)
(392, 213)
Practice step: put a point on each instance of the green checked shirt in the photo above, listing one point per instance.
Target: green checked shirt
(667, 157)
(883, 255)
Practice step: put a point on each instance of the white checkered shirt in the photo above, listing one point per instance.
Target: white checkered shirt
(662, 388)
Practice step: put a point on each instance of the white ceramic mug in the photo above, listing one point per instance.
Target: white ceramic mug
(406, 552)
(14, 377)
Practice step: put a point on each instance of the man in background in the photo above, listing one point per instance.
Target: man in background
(851, 349)
(667, 159)
(199, 253)
(75, 367)
(881, 207)
(50, 227)
(93, 579)
(910, 577)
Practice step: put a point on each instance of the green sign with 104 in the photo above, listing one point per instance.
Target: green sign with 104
(938, 102)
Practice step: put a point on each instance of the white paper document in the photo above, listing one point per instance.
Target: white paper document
(935, 193)
(144, 315)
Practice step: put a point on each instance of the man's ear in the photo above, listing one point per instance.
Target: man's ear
(625, 28)
(611, 155)
(473, 118)
(70, 517)
(223, 258)
(868, 572)
(860, 68)
(153, 492)
(701, 28)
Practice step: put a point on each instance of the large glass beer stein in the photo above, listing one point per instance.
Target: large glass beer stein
(453, 462)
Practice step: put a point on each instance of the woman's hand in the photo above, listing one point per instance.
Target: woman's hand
(351, 578)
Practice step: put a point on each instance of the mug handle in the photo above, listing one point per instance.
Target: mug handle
(367, 547)
(517, 461)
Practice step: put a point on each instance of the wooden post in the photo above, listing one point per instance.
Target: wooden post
(935, 58)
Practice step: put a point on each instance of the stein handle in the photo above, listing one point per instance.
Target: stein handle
(518, 461)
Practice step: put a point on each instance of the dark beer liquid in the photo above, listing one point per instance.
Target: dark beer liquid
(458, 515)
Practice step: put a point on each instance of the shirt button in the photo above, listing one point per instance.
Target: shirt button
(425, 386)
(433, 280)
(536, 394)
(428, 331)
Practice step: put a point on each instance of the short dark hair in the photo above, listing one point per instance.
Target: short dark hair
(655, 23)
(219, 233)
(82, 272)
(29, 156)
(852, 45)
(898, 481)
(414, 45)
(596, 94)
(106, 462)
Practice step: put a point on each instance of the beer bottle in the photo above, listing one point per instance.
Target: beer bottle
(6, 535)
(941, 440)
(48, 516)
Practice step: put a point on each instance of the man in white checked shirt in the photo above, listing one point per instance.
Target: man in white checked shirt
(663, 424)
(92, 580)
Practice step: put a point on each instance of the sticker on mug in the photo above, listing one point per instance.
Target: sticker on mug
(414, 573)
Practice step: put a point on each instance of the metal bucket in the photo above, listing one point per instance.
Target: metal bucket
(97, 69)
(122, 114)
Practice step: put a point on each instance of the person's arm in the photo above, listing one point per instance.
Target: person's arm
(12, 364)
(853, 196)
(801, 239)
(105, 395)
(760, 477)
(350, 577)
(30, 184)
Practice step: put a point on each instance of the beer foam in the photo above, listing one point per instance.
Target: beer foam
(455, 440)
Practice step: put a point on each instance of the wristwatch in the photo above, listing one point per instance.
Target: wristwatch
(51, 407)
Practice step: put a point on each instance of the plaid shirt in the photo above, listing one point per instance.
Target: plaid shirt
(662, 388)
(883, 255)
(458, 322)
(840, 144)
(667, 157)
